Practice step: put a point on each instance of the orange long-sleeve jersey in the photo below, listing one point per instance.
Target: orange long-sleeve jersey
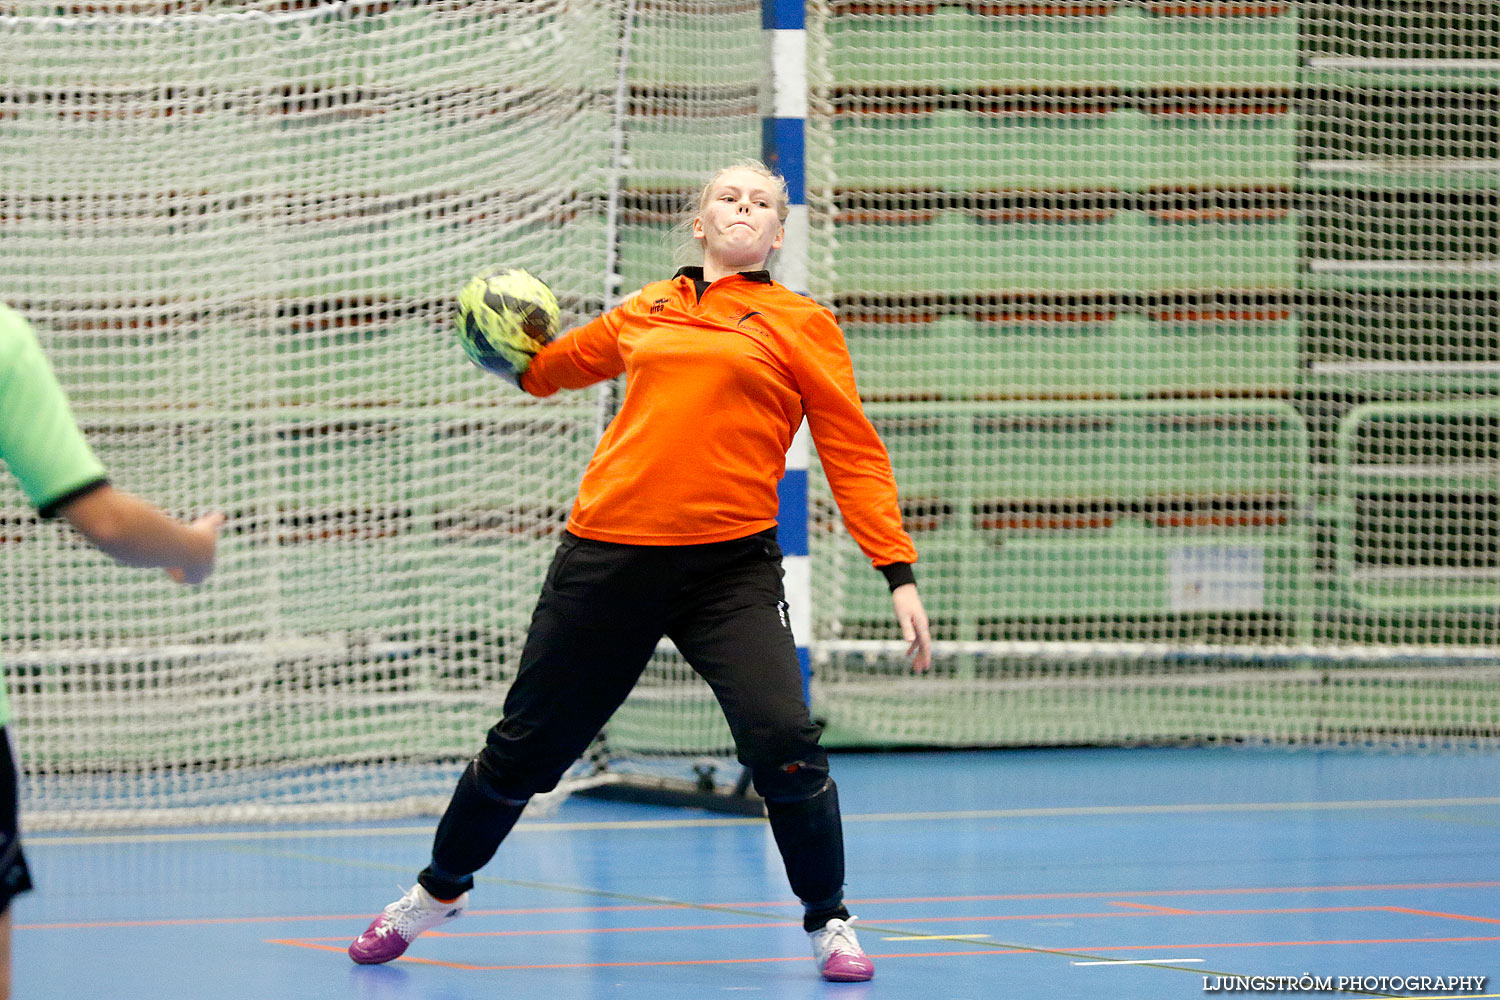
(716, 386)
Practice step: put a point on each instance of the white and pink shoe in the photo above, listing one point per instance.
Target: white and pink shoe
(838, 954)
(399, 924)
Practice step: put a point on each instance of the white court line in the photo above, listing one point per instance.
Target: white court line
(1138, 961)
(937, 937)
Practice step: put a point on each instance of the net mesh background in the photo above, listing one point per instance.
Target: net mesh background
(1177, 319)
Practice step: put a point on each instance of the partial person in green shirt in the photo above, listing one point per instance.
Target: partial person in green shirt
(42, 446)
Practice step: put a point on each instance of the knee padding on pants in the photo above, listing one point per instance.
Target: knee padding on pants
(794, 781)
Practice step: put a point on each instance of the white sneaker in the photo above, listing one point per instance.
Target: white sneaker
(398, 926)
(838, 954)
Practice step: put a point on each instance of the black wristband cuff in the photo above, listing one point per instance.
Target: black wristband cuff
(50, 509)
(898, 574)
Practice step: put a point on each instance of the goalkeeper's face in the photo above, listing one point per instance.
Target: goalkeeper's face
(738, 224)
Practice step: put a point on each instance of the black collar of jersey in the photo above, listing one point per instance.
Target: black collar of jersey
(701, 286)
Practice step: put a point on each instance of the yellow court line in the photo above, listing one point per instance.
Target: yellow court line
(1176, 809)
(1135, 961)
(212, 836)
(1170, 809)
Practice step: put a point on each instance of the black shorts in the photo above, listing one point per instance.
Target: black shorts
(15, 878)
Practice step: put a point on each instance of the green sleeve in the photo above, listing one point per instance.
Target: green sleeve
(39, 440)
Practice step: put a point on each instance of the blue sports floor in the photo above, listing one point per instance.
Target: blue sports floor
(1120, 874)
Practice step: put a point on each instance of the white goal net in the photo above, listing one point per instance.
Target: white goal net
(1180, 323)
(238, 229)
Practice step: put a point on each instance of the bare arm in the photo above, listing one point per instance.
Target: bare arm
(914, 626)
(135, 533)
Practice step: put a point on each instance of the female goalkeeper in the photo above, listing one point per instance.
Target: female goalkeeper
(674, 533)
(43, 448)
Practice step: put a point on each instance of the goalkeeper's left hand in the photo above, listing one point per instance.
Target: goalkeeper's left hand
(915, 629)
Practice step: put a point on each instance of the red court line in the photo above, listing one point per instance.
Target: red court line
(211, 921)
(758, 924)
(1281, 944)
(557, 965)
(1157, 909)
(998, 897)
(186, 922)
(606, 930)
(1446, 916)
(1136, 910)
(1118, 893)
(1082, 950)
(1278, 911)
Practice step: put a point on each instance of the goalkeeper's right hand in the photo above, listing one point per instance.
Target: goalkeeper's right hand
(505, 362)
(500, 348)
(503, 318)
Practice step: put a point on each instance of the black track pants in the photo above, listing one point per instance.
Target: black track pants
(602, 611)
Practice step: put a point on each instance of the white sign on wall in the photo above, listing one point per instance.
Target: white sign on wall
(1217, 578)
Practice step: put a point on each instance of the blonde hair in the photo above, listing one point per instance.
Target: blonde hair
(685, 248)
